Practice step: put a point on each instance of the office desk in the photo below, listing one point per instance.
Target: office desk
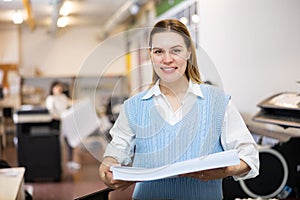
(11, 183)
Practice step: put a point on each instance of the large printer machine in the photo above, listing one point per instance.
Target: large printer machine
(38, 143)
(282, 109)
(279, 175)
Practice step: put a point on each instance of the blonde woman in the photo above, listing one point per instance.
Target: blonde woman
(177, 119)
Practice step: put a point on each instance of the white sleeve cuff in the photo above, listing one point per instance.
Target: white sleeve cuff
(251, 174)
(120, 156)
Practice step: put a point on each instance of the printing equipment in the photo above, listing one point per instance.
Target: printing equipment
(282, 109)
(38, 144)
(279, 175)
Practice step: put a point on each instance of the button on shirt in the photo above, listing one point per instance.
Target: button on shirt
(235, 134)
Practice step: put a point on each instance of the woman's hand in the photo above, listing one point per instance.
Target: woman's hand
(107, 176)
(220, 173)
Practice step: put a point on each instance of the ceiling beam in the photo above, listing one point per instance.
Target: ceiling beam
(30, 19)
(57, 4)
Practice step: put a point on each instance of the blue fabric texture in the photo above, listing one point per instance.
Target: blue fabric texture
(158, 143)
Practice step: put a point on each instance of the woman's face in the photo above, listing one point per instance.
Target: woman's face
(57, 89)
(169, 56)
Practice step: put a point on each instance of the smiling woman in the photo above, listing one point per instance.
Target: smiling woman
(169, 54)
(177, 119)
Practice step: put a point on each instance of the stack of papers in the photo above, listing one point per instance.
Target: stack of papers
(288, 100)
(212, 161)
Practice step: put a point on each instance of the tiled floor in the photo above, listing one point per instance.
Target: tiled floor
(74, 184)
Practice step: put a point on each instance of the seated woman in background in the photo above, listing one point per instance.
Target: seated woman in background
(57, 102)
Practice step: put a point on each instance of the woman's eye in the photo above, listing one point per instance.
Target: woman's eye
(158, 51)
(176, 51)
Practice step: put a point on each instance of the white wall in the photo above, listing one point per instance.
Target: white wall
(65, 53)
(9, 45)
(255, 46)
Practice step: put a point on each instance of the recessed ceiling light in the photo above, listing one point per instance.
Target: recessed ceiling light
(134, 9)
(17, 17)
(66, 8)
(195, 18)
(184, 20)
(62, 22)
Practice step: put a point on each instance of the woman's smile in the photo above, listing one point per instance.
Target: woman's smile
(169, 69)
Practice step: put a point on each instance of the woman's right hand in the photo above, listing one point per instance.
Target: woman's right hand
(107, 177)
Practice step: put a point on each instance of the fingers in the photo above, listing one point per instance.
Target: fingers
(122, 185)
(107, 178)
(198, 175)
(208, 174)
(104, 169)
(106, 175)
(202, 175)
(116, 184)
(109, 181)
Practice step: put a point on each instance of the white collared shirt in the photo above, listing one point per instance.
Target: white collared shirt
(235, 134)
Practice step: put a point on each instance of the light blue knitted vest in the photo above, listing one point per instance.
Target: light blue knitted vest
(158, 143)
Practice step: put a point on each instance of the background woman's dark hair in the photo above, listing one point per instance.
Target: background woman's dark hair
(64, 86)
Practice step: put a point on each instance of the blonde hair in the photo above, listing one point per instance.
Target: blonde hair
(174, 25)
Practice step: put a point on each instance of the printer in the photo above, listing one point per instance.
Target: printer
(31, 114)
(38, 143)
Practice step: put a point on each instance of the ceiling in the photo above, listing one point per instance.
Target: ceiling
(83, 12)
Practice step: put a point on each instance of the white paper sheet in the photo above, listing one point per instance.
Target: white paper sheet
(212, 161)
(79, 121)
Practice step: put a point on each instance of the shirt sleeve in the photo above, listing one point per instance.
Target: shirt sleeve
(122, 145)
(49, 103)
(236, 135)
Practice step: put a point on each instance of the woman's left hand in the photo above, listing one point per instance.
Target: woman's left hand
(207, 175)
(220, 173)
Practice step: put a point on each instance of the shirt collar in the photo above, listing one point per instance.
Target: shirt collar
(193, 88)
(153, 91)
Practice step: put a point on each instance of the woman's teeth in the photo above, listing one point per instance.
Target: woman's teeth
(168, 68)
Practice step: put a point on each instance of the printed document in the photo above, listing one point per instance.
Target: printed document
(212, 161)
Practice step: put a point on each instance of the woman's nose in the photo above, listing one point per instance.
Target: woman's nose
(167, 57)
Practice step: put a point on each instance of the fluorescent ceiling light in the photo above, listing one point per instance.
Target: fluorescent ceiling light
(134, 9)
(62, 22)
(184, 20)
(66, 8)
(195, 18)
(17, 17)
